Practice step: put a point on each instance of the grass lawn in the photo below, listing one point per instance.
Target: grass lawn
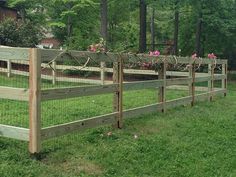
(185, 141)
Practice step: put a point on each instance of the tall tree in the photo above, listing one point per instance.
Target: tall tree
(198, 35)
(123, 26)
(176, 25)
(74, 22)
(104, 20)
(143, 26)
(153, 29)
(29, 10)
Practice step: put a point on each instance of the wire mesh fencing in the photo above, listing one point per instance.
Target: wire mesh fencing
(63, 92)
(14, 78)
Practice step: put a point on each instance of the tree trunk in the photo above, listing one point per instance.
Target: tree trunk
(69, 22)
(142, 40)
(69, 27)
(104, 19)
(176, 33)
(23, 14)
(153, 30)
(198, 35)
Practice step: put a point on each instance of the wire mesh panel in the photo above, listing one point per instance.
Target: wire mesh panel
(14, 84)
(178, 81)
(72, 71)
(143, 92)
(73, 77)
(78, 92)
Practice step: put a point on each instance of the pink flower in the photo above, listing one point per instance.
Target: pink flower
(157, 53)
(100, 47)
(147, 64)
(211, 56)
(154, 53)
(194, 56)
(92, 48)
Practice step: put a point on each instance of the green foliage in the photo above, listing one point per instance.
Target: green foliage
(18, 35)
(76, 23)
(73, 22)
(30, 10)
(8, 32)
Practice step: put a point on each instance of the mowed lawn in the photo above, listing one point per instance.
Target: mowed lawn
(185, 141)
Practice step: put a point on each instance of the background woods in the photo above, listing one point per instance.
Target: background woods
(173, 26)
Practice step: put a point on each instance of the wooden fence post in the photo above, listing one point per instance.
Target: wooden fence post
(54, 68)
(162, 89)
(211, 82)
(102, 67)
(9, 66)
(118, 95)
(192, 83)
(34, 101)
(224, 81)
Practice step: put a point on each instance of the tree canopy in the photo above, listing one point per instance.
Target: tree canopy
(76, 23)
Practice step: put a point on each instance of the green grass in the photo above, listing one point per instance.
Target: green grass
(185, 141)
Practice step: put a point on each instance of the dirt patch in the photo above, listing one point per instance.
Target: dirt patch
(77, 166)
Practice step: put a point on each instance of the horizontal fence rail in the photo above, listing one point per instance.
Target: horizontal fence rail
(54, 94)
(10, 93)
(101, 70)
(37, 59)
(14, 132)
(79, 125)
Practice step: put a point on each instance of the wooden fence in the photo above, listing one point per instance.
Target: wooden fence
(35, 95)
(102, 70)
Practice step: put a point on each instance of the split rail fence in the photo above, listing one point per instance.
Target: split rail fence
(35, 95)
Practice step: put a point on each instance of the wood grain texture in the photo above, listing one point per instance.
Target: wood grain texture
(54, 74)
(35, 101)
(9, 68)
(73, 92)
(224, 80)
(62, 129)
(14, 132)
(115, 78)
(143, 85)
(162, 89)
(20, 94)
(14, 53)
(102, 73)
(121, 82)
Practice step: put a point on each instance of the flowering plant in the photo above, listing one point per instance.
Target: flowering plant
(154, 53)
(194, 56)
(100, 47)
(152, 65)
(211, 56)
